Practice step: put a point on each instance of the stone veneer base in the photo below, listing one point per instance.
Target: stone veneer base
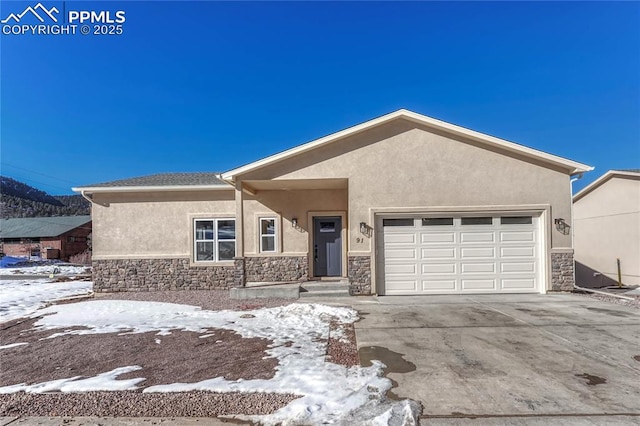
(359, 272)
(276, 268)
(562, 271)
(159, 274)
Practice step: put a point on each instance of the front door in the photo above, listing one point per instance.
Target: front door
(327, 246)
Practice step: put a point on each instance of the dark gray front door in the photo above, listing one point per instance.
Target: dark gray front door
(327, 246)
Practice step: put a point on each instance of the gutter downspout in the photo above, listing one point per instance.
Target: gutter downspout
(588, 290)
(86, 197)
(90, 199)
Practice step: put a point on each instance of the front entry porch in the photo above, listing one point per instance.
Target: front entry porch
(291, 231)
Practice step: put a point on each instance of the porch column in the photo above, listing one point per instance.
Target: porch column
(239, 273)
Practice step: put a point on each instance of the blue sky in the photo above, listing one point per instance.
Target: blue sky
(208, 86)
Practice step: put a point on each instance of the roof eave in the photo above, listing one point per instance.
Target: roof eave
(151, 188)
(572, 167)
(601, 180)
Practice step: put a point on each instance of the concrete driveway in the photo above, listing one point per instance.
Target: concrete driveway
(507, 359)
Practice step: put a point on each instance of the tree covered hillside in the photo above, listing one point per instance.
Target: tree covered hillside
(18, 199)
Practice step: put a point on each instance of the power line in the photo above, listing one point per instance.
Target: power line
(44, 183)
(37, 173)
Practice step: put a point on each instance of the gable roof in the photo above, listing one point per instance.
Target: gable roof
(628, 174)
(38, 227)
(571, 166)
(161, 181)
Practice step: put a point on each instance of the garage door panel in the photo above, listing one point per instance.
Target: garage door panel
(399, 238)
(477, 237)
(474, 268)
(517, 252)
(403, 286)
(440, 237)
(440, 255)
(439, 268)
(517, 236)
(518, 284)
(402, 268)
(479, 284)
(401, 254)
(478, 252)
(518, 267)
(438, 285)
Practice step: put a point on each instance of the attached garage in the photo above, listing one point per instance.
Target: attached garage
(456, 253)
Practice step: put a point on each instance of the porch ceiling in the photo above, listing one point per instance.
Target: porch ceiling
(293, 184)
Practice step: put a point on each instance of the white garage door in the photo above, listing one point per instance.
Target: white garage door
(460, 254)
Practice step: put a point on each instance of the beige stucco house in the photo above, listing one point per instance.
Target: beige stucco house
(402, 204)
(607, 228)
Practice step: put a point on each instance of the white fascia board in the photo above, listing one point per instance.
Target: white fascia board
(602, 179)
(573, 167)
(174, 188)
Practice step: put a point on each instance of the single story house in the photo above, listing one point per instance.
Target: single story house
(49, 237)
(403, 204)
(607, 230)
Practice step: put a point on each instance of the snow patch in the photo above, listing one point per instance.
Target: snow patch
(104, 381)
(13, 345)
(46, 270)
(20, 298)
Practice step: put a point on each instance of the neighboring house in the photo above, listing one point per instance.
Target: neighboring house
(607, 228)
(49, 237)
(402, 204)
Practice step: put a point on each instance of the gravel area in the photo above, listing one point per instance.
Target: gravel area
(215, 300)
(612, 299)
(342, 348)
(137, 404)
(182, 356)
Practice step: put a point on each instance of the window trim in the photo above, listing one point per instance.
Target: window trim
(215, 240)
(274, 235)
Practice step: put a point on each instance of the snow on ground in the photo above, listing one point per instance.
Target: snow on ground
(20, 298)
(45, 270)
(299, 332)
(78, 384)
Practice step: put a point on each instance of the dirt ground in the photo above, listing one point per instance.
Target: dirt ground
(181, 356)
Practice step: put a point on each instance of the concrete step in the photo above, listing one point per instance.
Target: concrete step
(280, 291)
(329, 293)
(313, 286)
(268, 283)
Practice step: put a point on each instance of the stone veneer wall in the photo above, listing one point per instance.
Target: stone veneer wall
(159, 274)
(562, 271)
(276, 268)
(359, 272)
(239, 276)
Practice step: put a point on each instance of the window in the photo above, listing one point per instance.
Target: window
(477, 220)
(437, 221)
(516, 220)
(327, 227)
(214, 239)
(73, 239)
(397, 222)
(267, 235)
